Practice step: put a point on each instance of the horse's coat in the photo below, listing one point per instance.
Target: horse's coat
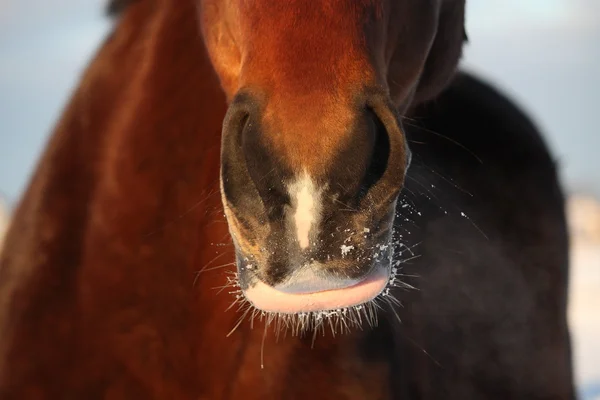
(107, 277)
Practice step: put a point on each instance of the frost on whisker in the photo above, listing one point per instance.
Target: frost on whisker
(335, 321)
(346, 249)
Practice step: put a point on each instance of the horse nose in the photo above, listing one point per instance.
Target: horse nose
(308, 229)
(371, 158)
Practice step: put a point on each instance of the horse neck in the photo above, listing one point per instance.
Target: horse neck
(155, 209)
(124, 205)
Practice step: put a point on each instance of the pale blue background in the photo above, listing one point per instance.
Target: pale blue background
(546, 53)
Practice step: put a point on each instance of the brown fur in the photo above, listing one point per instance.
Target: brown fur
(312, 86)
(122, 215)
(98, 291)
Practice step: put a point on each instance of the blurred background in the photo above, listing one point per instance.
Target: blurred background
(544, 53)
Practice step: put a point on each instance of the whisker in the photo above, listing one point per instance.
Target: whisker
(262, 347)
(449, 181)
(213, 260)
(240, 320)
(421, 128)
(217, 267)
(348, 208)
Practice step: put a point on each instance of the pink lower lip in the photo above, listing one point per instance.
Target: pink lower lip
(268, 299)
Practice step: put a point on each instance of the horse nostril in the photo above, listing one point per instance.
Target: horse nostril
(380, 153)
(237, 184)
(238, 116)
(386, 171)
(251, 169)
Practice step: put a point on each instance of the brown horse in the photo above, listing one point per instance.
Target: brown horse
(448, 278)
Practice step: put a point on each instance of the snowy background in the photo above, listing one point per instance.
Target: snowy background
(544, 53)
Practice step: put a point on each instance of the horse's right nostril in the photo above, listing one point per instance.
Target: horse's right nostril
(238, 116)
(236, 182)
(252, 173)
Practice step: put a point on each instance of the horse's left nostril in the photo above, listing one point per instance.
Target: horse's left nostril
(369, 170)
(380, 153)
(390, 157)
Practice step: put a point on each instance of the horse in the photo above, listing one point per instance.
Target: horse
(282, 200)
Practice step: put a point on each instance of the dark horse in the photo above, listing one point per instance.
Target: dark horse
(401, 223)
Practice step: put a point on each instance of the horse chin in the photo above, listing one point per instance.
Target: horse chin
(269, 299)
(345, 288)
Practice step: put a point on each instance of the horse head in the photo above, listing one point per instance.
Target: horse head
(313, 153)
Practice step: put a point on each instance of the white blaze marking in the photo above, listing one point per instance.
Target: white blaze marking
(306, 202)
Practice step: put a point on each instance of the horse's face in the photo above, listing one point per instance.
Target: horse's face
(313, 153)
